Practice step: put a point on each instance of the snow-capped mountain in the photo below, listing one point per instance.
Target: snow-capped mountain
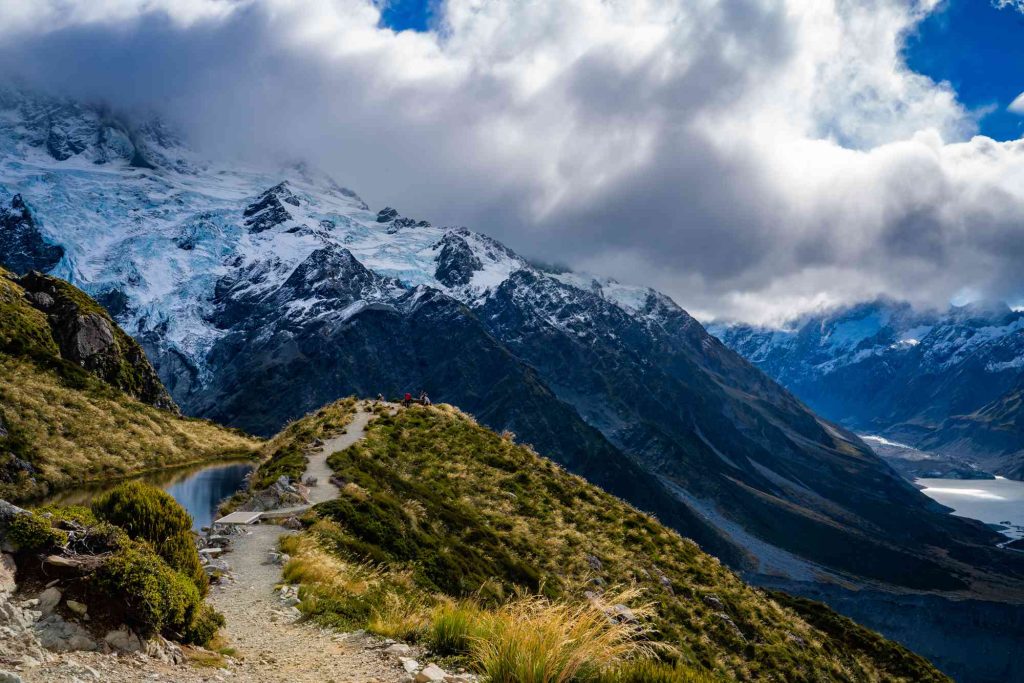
(261, 295)
(941, 381)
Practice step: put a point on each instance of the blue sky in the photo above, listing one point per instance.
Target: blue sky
(402, 15)
(978, 48)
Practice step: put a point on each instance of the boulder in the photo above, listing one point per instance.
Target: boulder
(164, 650)
(77, 607)
(410, 665)
(623, 614)
(713, 601)
(54, 633)
(49, 599)
(8, 512)
(9, 677)
(218, 541)
(61, 561)
(123, 640)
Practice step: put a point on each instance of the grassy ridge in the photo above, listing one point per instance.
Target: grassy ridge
(62, 425)
(436, 508)
(285, 453)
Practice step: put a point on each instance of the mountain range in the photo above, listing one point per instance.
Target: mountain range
(946, 383)
(260, 295)
(438, 513)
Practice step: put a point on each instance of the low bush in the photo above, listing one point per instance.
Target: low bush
(146, 513)
(33, 532)
(203, 625)
(154, 597)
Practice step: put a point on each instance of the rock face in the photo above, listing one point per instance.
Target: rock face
(87, 336)
(947, 382)
(22, 243)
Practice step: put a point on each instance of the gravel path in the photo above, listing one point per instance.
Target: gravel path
(271, 647)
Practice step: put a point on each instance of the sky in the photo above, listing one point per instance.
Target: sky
(754, 159)
(979, 49)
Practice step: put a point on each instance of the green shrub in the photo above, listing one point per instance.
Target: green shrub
(203, 626)
(33, 532)
(155, 598)
(146, 513)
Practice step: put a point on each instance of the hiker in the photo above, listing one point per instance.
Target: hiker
(407, 401)
(380, 398)
(424, 399)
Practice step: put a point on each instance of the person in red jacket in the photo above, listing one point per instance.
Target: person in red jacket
(408, 400)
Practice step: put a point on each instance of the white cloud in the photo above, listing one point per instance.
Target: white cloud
(753, 158)
(1017, 106)
(1012, 4)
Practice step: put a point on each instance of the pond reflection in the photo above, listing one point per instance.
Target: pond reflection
(199, 489)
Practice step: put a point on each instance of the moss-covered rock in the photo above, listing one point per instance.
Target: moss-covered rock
(33, 532)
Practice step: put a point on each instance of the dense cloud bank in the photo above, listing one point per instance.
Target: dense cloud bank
(753, 158)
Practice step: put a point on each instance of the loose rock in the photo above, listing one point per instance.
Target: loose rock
(431, 673)
(49, 599)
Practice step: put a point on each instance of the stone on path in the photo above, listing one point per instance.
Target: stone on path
(431, 673)
(399, 650)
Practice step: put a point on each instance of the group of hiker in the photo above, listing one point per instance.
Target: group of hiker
(408, 400)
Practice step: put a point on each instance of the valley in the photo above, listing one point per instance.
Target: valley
(261, 294)
(998, 502)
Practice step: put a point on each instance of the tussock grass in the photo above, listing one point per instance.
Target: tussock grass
(66, 425)
(654, 671)
(455, 626)
(439, 511)
(74, 435)
(533, 639)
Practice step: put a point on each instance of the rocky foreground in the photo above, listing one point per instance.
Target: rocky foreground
(45, 636)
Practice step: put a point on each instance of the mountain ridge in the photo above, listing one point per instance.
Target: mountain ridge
(261, 296)
(941, 381)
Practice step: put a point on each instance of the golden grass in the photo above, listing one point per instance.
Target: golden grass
(432, 496)
(536, 640)
(529, 639)
(82, 435)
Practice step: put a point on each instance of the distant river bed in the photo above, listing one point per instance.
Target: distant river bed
(996, 501)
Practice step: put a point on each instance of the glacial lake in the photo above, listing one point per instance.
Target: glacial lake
(993, 501)
(199, 489)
